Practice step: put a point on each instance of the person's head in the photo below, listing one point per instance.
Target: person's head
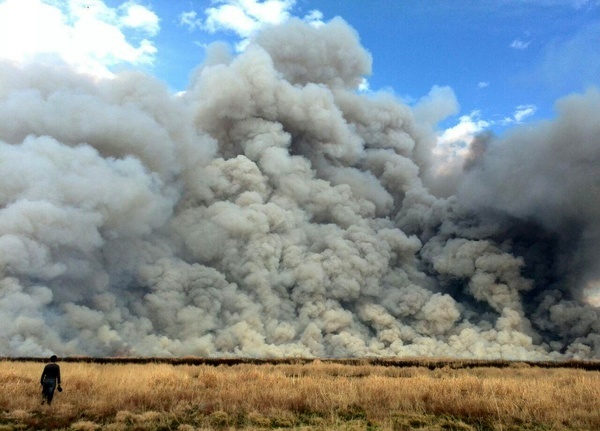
(53, 358)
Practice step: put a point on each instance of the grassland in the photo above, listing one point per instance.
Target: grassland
(307, 395)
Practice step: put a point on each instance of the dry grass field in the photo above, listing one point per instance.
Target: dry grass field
(312, 395)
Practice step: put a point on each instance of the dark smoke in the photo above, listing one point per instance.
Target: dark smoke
(273, 211)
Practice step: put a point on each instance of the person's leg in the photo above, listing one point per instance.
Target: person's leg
(48, 391)
(51, 392)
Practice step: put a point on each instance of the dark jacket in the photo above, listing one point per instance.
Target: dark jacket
(51, 371)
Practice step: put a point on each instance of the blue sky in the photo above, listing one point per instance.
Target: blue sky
(507, 61)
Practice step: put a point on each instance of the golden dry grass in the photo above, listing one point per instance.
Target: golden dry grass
(310, 396)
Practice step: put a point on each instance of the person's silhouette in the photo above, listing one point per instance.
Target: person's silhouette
(50, 380)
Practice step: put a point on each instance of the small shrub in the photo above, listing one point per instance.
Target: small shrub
(282, 418)
(410, 422)
(455, 425)
(124, 416)
(148, 417)
(258, 419)
(219, 418)
(352, 412)
(85, 426)
(19, 415)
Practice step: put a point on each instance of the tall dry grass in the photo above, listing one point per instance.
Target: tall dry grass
(315, 395)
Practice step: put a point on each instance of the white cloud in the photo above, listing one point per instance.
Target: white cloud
(483, 84)
(524, 111)
(315, 18)
(521, 112)
(190, 20)
(228, 17)
(519, 44)
(464, 132)
(245, 17)
(364, 86)
(84, 34)
(452, 147)
(453, 143)
(140, 17)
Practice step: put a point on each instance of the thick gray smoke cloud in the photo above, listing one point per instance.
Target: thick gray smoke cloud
(273, 211)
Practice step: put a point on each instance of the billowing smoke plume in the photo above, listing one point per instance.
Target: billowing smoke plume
(274, 211)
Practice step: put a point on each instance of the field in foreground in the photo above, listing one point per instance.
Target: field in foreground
(309, 396)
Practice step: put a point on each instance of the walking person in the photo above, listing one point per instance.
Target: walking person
(50, 380)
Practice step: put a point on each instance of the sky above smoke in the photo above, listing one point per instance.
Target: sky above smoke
(272, 209)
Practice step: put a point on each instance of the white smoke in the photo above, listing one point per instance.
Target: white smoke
(273, 211)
